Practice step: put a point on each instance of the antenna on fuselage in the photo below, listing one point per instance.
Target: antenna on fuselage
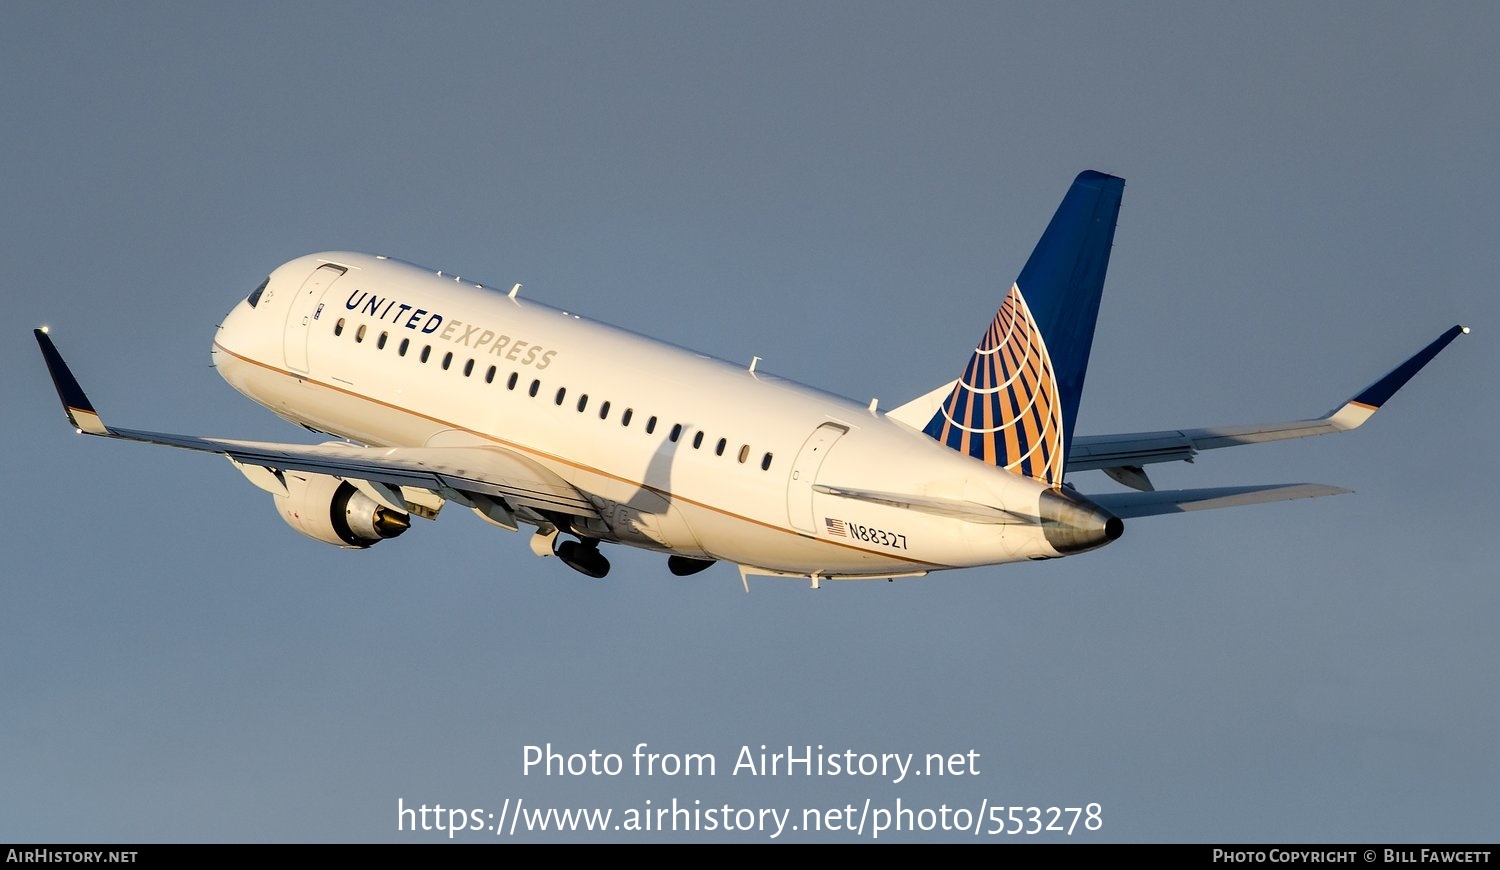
(514, 290)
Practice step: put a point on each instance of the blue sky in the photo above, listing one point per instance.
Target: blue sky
(846, 190)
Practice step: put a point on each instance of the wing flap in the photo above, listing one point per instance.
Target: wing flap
(488, 471)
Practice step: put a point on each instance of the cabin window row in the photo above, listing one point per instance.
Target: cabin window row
(582, 404)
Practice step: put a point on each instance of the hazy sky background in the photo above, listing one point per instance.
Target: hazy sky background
(846, 190)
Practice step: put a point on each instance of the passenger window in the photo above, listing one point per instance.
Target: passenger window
(719, 448)
(359, 334)
(676, 433)
(447, 360)
(625, 417)
(765, 464)
(535, 385)
(650, 425)
(380, 342)
(561, 391)
(697, 439)
(744, 453)
(511, 384)
(604, 411)
(426, 352)
(583, 402)
(405, 343)
(468, 368)
(338, 328)
(489, 376)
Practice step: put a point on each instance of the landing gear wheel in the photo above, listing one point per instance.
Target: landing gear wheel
(682, 566)
(584, 557)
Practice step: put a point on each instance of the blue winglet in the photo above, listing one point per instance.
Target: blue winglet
(1379, 392)
(76, 405)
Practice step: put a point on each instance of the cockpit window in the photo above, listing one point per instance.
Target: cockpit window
(255, 297)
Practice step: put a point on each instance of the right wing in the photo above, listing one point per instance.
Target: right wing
(1122, 456)
(456, 473)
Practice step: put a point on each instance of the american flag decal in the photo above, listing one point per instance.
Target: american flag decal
(1005, 409)
(835, 527)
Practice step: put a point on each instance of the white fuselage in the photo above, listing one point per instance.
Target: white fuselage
(392, 354)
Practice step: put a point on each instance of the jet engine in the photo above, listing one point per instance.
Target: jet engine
(331, 510)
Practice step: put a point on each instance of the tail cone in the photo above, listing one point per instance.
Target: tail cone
(1074, 524)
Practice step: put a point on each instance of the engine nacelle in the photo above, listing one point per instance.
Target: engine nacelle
(332, 511)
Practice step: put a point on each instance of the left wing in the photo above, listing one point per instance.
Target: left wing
(457, 473)
(1122, 456)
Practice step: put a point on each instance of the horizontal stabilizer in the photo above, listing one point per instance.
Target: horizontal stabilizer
(1149, 504)
(960, 509)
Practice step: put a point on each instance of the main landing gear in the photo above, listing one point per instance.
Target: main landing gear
(583, 556)
(682, 566)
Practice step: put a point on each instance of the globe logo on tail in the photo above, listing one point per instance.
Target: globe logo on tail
(1005, 409)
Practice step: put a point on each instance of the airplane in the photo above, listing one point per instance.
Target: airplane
(444, 390)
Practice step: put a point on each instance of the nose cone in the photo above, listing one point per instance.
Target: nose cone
(243, 334)
(233, 324)
(1074, 524)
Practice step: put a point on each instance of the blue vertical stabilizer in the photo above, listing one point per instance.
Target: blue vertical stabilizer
(1017, 400)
